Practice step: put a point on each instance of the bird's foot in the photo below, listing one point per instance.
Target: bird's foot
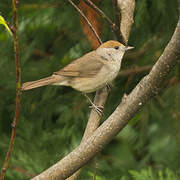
(98, 109)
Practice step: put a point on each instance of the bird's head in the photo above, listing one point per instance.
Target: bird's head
(113, 49)
(115, 45)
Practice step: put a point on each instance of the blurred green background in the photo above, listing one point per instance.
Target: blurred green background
(53, 119)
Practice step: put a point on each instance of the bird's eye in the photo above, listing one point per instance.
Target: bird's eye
(116, 47)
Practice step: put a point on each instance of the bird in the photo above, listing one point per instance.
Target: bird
(88, 73)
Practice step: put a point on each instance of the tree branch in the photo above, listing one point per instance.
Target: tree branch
(89, 24)
(146, 88)
(114, 26)
(126, 8)
(93, 121)
(18, 90)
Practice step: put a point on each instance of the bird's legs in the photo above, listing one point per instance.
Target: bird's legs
(98, 109)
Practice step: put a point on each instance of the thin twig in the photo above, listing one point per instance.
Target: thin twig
(100, 12)
(18, 93)
(22, 171)
(114, 26)
(90, 25)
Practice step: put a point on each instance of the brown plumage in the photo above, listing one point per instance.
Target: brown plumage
(88, 73)
(40, 82)
(82, 67)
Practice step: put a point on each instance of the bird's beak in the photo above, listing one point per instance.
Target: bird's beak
(128, 48)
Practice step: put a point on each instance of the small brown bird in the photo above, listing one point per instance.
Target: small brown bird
(88, 73)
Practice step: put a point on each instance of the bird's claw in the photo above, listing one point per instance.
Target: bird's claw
(98, 109)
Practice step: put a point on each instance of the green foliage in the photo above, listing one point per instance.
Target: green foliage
(3, 22)
(53, 118)
(148, 174)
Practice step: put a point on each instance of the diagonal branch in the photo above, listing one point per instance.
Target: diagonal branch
(114, 27)
(117, 18)
(89, 24)
(148, 87)
(101, 13)
(93, 121)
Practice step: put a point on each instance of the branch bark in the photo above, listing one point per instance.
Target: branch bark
(146, 89)
(18, 89)
(126, 8)
(93, 121)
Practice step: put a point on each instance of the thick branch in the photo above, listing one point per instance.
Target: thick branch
(147, 88)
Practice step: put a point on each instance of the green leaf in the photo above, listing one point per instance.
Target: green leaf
(3, 22)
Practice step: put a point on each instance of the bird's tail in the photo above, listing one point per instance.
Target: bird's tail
(41, 82)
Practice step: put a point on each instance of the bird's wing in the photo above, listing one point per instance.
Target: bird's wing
(86, 66)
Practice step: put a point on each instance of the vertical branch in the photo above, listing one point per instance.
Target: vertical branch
(18, 89)
(127, 14)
